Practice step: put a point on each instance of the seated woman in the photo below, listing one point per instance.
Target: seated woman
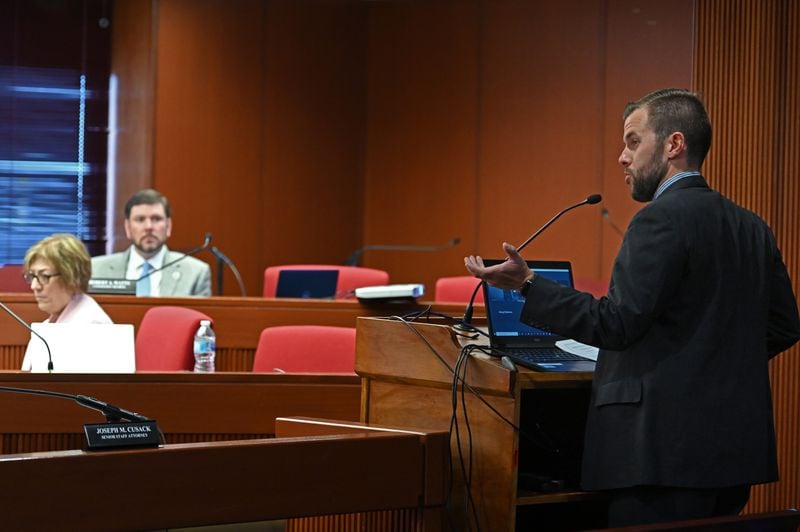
(58, 269)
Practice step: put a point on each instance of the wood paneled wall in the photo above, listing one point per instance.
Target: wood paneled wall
(423, 113)
(300, 131)
(131, 139)
(649, 45)
(258, 133)
(516, 115)
(313, 139)
(748, 68)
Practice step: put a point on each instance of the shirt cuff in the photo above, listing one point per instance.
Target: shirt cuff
(525, 287)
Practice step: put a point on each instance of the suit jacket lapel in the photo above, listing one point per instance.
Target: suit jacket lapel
(169, 281)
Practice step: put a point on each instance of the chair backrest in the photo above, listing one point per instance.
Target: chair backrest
(306, 349)
(11, 279)
(457, 289)
(165, 337)
(350, 277)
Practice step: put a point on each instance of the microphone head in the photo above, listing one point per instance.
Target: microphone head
(594, 198)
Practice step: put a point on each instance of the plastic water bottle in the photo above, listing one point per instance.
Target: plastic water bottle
(204, 348)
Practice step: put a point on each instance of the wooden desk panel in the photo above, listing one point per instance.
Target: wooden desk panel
(238, 481)
(187, 406)
(238, 321)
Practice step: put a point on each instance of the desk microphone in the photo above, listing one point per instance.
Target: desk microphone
(112, 413)
(193, 251)
(22, 322)
(591, 200)
(354, 258)
(122, 429)
(222, 259)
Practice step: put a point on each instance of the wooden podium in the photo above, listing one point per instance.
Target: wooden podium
(407, 381)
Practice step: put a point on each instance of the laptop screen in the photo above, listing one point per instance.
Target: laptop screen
(317, 284)
(503, 307)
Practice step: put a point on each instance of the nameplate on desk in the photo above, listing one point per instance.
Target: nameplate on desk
(116, 435)
(122, 287)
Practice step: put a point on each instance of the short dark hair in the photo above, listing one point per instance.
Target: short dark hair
(147, 196)
(671, 110)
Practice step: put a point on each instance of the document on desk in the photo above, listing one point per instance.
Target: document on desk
(577, 348)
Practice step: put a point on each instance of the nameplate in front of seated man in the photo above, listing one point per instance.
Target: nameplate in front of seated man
(122, 287)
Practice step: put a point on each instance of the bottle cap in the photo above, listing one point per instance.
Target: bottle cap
(207, 323)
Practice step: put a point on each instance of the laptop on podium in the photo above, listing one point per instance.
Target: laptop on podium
(529, 346)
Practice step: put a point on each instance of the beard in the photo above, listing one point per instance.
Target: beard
(647, 179)
(149, 246)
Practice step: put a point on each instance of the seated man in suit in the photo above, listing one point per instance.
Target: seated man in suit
(148, 224)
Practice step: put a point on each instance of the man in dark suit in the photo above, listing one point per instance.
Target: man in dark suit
(148, 225)
(680, 421)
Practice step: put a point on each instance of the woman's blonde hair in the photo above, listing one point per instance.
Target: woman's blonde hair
(68, 256)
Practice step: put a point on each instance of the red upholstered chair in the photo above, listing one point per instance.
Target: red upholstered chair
(350, 277)
(164, 339)
(306, 349)
(11, 279)
(457, 290)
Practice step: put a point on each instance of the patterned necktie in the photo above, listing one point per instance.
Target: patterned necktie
(143, 284)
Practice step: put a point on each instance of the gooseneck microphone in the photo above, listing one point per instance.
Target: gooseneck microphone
(22, 322)
(112, 413)
(354, 258)
(590, 200)
(222, 259)
(193, 251)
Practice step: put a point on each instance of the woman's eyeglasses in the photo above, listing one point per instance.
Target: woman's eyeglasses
(42, 278)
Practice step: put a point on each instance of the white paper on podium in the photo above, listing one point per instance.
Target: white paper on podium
(577, 348)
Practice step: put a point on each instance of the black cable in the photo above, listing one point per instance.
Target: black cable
(468, 480)
(450, 479)
(466, 471)
(459, 377)
(547, 446)
(454, 428)
(459, 326)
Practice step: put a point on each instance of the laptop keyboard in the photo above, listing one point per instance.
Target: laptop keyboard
(545, 355)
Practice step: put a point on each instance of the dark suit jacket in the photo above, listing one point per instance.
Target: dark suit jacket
(699, 301)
